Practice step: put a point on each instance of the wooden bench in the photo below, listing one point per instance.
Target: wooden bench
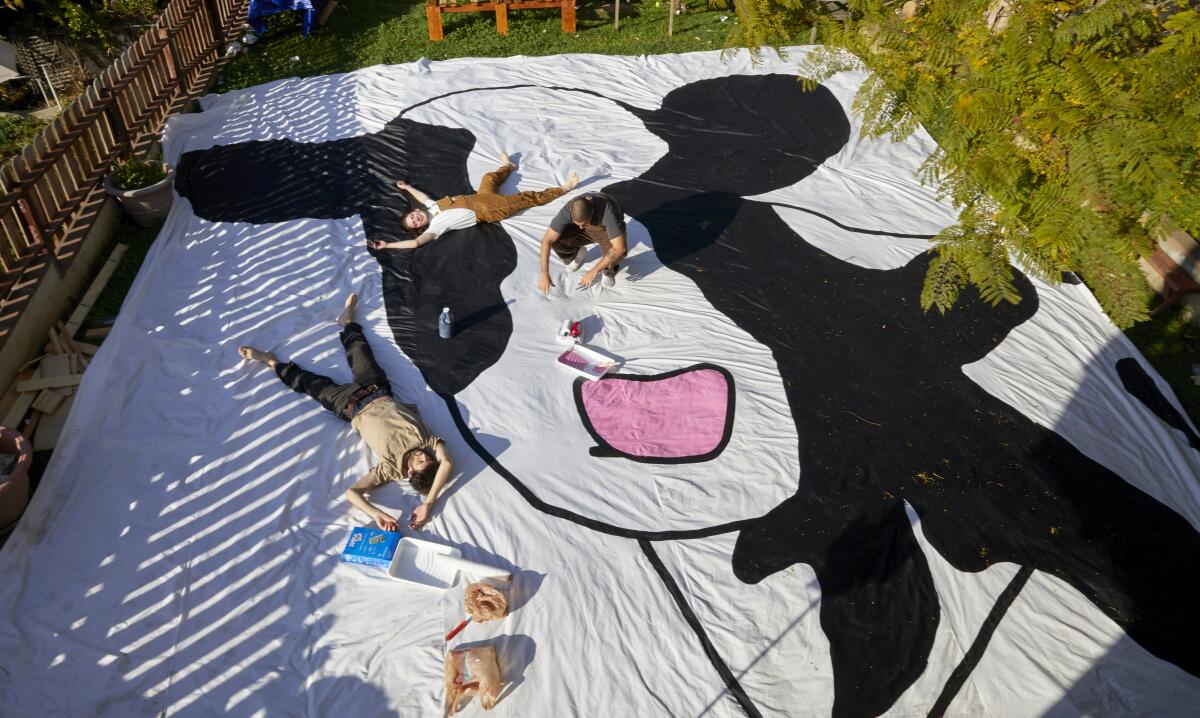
(1174, 268)
(1176, 282)
(435, 8)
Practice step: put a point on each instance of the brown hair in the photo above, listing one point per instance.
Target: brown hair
(418, 231)
(422, 481)
(581, 209)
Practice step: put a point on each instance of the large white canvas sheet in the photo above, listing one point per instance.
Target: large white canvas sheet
(181, 554)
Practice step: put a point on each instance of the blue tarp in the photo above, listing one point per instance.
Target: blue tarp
(260, 9)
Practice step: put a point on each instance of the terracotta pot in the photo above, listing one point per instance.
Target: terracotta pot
(148, 205)
(14, 497)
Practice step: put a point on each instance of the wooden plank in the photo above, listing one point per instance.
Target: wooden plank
(31, 427)
(20, 407)
(51, 426)
(326, 12)
(53, 382)
(9, 398)
(55, 365)
(48, 401)
(93, 292)
(65, 339)
(87, 349)
(55, 346)
(97, 332)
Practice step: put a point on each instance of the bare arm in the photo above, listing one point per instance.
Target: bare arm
(420, 241)
(357, 495)
(445, 466)
(616, 250)
(548, 239)
(415, 193)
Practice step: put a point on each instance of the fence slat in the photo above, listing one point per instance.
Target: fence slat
(50, 189)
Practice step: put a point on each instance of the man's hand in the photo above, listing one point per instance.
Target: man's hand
(402, 185)
(587, 279)
(419, 516)
(544, 283)
(387, 523)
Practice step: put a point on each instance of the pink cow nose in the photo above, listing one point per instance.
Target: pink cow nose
(678, 417)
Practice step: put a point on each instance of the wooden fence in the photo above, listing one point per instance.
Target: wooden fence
(52, 193)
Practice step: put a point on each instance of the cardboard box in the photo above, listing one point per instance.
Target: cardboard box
(372, 547)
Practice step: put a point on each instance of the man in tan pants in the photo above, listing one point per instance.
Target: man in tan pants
(433, 219)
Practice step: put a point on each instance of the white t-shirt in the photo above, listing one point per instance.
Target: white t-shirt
(442, 221)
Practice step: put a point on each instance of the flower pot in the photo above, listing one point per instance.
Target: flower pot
(148, 205)
(14, 497)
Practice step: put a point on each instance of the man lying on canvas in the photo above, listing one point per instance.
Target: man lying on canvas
(393, 430)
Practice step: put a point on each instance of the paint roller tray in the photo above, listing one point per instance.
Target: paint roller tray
(416, 561)
(587, 362)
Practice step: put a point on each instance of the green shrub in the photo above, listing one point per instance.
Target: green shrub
(1068, 131)
(137, 174)
(16, 132)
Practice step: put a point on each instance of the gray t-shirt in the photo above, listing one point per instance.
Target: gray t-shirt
(605, 213)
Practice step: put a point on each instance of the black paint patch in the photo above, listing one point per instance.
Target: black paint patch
(1138, 383)
(884, 412)
(281, 180)
(605, 450)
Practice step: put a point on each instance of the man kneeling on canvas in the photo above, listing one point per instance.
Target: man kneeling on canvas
(393, 430)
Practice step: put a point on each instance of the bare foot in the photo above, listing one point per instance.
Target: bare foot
(347, 314)
(570, 183)
(506, 161)
(257, 355)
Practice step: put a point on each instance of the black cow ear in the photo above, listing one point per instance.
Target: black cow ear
(725, 134)
(879, 606)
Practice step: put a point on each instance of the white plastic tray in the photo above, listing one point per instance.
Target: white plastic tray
(587, 362)
(417, 562)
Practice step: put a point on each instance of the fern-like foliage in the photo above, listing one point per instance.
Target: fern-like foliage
(1067, 131)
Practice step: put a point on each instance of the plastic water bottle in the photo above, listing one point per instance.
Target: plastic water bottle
(445, 324)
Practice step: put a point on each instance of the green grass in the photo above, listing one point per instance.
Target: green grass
(17, 131)
(361, 33)
(1172, 346)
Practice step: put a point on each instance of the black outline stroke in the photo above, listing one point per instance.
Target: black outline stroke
(605, 449)
(731, 681)
(975, 653)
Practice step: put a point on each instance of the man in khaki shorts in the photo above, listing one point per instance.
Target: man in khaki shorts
(394, 431)
(591, 218)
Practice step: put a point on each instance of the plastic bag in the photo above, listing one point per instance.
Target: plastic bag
(484, 602)
(472, 672)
